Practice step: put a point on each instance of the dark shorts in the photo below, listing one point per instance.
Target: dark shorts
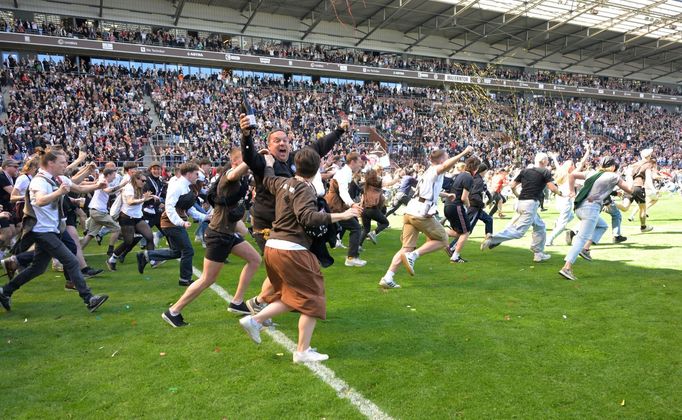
(639, 195)
(71, 218)
(219, 245)
(457, 216)
(125, 220)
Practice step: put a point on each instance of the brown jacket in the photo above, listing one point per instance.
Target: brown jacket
(295, 208)
(333, 198)
(373, 197)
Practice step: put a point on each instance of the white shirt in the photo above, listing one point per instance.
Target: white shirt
(47, 216)
(100, 199)
(428, 188)
(22, 183)
(344, 177)
(133, 211)
(176, 188)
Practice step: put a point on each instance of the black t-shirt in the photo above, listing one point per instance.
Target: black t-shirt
(463, 181)
(533, 182)
(5, 181)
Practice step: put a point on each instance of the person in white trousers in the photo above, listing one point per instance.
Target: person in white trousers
(564, 204)
(533, 181)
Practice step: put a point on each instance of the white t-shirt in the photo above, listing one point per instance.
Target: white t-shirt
(100, 200)
(21, 184)
(135, 210)
(48, 215)
(428, 189)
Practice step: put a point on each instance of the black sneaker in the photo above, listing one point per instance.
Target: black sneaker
(185, 283)
(96, 302)
(98, 238)
(111, 266)
(122, 258)
(569, 237)
(5, 301)
(241, 309)
(585, 253)
(174, 321)
(458, 260)
(618, 239)
(90, 272)
(141, 262)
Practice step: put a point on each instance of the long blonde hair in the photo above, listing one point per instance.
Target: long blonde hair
(563, 171)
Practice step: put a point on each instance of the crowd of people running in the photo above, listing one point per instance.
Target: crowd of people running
(285, 184)
(169, 37)
(296, 201)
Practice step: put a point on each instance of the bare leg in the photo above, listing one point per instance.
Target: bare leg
(306, 326)
(246, 252)
(208, 277)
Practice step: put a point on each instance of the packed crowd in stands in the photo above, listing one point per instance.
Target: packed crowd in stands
(217, 42)
(103, 112)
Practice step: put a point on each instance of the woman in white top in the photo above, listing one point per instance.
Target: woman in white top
(564, 203)
(131, 218)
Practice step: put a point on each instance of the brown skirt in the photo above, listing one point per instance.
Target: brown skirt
(297, 280)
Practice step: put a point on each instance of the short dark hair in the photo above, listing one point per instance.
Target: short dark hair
(108, 171)
(188, 167)
(204, 161)
(471, 164)
(307, 162)
(129, 165)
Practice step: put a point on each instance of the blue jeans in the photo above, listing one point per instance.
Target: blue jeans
(180, 247)
(475, 214)
(565, 207)
(592, 227)
(616, 218)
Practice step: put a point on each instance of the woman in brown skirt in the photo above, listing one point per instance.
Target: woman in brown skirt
(293, 270)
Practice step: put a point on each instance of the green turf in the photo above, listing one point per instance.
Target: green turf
(497, 337)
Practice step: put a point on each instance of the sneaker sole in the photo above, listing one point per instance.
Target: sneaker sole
(101, 302)
(388, 286)
(237, 311)
(169, 322)
(408, 267)
(256, 340)
(567, 277)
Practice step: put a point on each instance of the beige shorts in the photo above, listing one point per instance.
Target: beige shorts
(98, 220)
(429, 226)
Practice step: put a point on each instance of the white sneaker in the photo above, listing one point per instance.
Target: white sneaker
(408, 260)
(372, 237)
(339, 244)
(541, 256)
(388, 284)
(355, 262)
(252, 328)
(309, 355)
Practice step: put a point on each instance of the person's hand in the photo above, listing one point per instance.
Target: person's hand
(451, 197)
(469, 149)
(345, 124)
(102, 184)
(64, 189)
(269, 160)
(187, 225)
(355, 211)
(147, 195)
(244, 124)
(358, 207)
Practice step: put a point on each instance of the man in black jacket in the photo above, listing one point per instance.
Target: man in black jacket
(476, 211)
(263, 210)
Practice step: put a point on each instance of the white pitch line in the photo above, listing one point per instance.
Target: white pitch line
(343, 390)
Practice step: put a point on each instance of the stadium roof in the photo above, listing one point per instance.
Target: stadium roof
(627, 38)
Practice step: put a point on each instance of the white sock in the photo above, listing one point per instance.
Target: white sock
(455, 256)
(389, 275)
(415, 254)
(173, 313)
(112, 259)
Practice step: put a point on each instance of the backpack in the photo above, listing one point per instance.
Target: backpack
(234, 201)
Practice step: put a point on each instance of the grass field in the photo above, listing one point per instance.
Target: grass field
(498, 337)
